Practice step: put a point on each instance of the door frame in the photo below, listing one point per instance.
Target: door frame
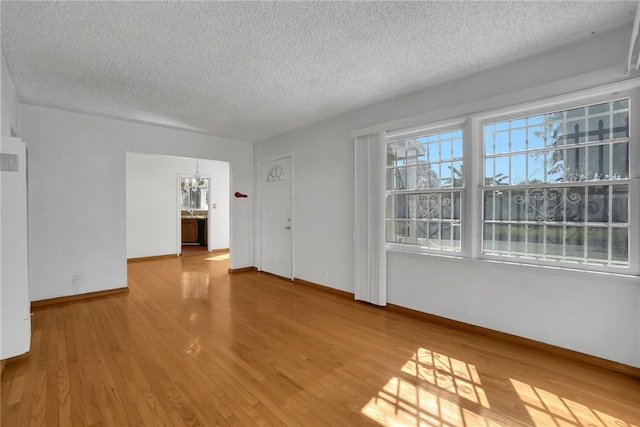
(293, 221)
(179, 212)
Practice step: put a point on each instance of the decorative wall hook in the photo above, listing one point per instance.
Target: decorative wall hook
(240, 195)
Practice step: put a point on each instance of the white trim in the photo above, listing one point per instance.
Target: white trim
(562, 264)
(473, 196)
(178, 216)
(417, 249)
(231, 220)
(421, 130)
(276, 157)
(293, 218)
(590, 96)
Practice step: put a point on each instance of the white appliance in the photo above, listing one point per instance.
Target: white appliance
(15, 318)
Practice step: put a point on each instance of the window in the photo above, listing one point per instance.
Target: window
(194, 194)
(556, 185)
(554, 182)
(424, 183)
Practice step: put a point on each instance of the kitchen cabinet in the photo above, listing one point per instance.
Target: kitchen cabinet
(195, 230)
(189, 230)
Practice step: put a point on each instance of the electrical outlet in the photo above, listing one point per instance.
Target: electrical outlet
(214, 205)
(76, 284)
(325, 272)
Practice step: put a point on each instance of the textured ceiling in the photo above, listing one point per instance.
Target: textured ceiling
(250, 70)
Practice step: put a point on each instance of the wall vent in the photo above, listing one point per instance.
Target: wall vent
(8, 162)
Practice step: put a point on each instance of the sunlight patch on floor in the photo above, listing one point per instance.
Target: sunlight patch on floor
(222, 257)
(427, 392)
(548, 409)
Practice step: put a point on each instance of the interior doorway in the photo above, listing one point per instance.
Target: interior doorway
(153, 220)
(195, 210)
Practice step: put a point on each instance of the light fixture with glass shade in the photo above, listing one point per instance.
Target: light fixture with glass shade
(194, 192)
(196, 183)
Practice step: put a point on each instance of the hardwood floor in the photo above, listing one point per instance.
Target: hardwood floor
(192, 345)
(192, 249)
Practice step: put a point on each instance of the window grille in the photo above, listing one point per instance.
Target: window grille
(556, 185)
(424, 185)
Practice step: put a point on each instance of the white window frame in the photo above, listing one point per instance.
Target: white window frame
(559, 103)
(415, 132)
(473, 158)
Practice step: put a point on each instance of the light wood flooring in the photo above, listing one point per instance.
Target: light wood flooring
(192, 345)
(192, 249)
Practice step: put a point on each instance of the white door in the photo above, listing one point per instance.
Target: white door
(276, 220)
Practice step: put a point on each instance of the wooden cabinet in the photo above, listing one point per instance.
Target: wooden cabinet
(195, 230)
(189, 230)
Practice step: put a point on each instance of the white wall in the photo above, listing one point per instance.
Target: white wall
(9, 104)
(152, 202)
(593, 314)
(78, 194)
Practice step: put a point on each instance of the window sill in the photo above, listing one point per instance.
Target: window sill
(514, 265)
(411, 249)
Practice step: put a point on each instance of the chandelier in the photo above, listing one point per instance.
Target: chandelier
(196, 183)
